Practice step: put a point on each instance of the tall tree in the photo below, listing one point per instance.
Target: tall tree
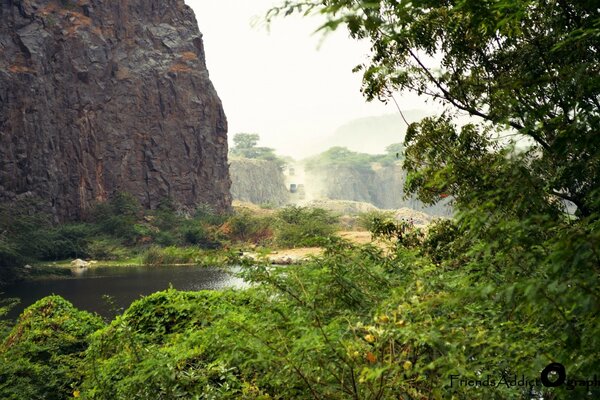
(529, 67)
(513, 257)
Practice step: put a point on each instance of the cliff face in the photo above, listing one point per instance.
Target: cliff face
(381, 186)
(100, 96)
(257, 181)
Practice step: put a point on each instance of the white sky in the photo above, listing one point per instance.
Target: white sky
(286, 85)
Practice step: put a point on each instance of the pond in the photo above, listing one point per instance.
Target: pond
(87, 288)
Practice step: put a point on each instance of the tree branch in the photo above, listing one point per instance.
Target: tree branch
(455, 102)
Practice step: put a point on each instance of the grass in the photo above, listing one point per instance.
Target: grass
(125, 262)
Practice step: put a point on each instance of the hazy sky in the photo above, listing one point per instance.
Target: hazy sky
(286, 85)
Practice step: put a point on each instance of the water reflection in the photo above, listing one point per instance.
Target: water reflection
(87, 286)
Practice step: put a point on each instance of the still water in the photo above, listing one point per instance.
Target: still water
(124, 284)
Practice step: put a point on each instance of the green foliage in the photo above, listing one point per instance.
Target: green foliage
(68, 241)
(528, 66)
(444, 243)
(512, 284)
(507, 287)
(302, 226)
(244, 226)
(402, 232)
(118, 216)
(340, 157)
(106, 248)
(245, 140)
(205, 214)
(156, 255)
(27, 234)
(9, 252)
(6, 304)
(343, 157)
(358, 323)
(367, 219)
(245, 146)
(22, 232)
(43, 356)
(113, 230)
(160, 348)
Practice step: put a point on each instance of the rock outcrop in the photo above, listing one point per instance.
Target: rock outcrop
(100, 96)
(258, 182)
(382, 186)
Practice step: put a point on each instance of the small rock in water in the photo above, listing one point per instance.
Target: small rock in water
(79, 263)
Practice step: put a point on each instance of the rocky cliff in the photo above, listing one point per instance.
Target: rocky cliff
(257, 181)
(379, 185)
(100, 96)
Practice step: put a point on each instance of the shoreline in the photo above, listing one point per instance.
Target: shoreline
(65, 269)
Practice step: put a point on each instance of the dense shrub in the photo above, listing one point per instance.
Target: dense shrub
(9, 253)
(43, 356)
(67, 241)
(156, 255)
(367, 220)
(113, 230)
(244, 226)
(343, 157)
(443, 242)
(107, 249)
(118, 216)
(206, 215)
(301, 226)
(27, 234)
(354, 323)
(160, 348)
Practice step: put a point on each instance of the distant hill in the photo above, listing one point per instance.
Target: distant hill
(371, 134)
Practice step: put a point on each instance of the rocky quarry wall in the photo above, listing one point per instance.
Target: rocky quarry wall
(101, 96)
(258, 182)
(382, 186)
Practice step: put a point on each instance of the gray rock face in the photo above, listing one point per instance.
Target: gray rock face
(257, 181)
(380, 186)
(101, 96)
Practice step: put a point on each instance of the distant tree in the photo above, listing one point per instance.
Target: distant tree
(245, 146)
(340, 156)
(245, 140)
(395, 148)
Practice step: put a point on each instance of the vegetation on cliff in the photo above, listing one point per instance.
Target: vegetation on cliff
(342, 157)
(245, 146)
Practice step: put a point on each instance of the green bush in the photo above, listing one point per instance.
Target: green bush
(206, 215)
(9, 253)
(301, 226)
(161, 348)
(107, 249)
(26, 234)
(43, 356)
(244, 226)
(66, 241)
(195, 233)
(118, 216)
(165, 238)
(156, 255)
(443, 242)
(367, 220)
